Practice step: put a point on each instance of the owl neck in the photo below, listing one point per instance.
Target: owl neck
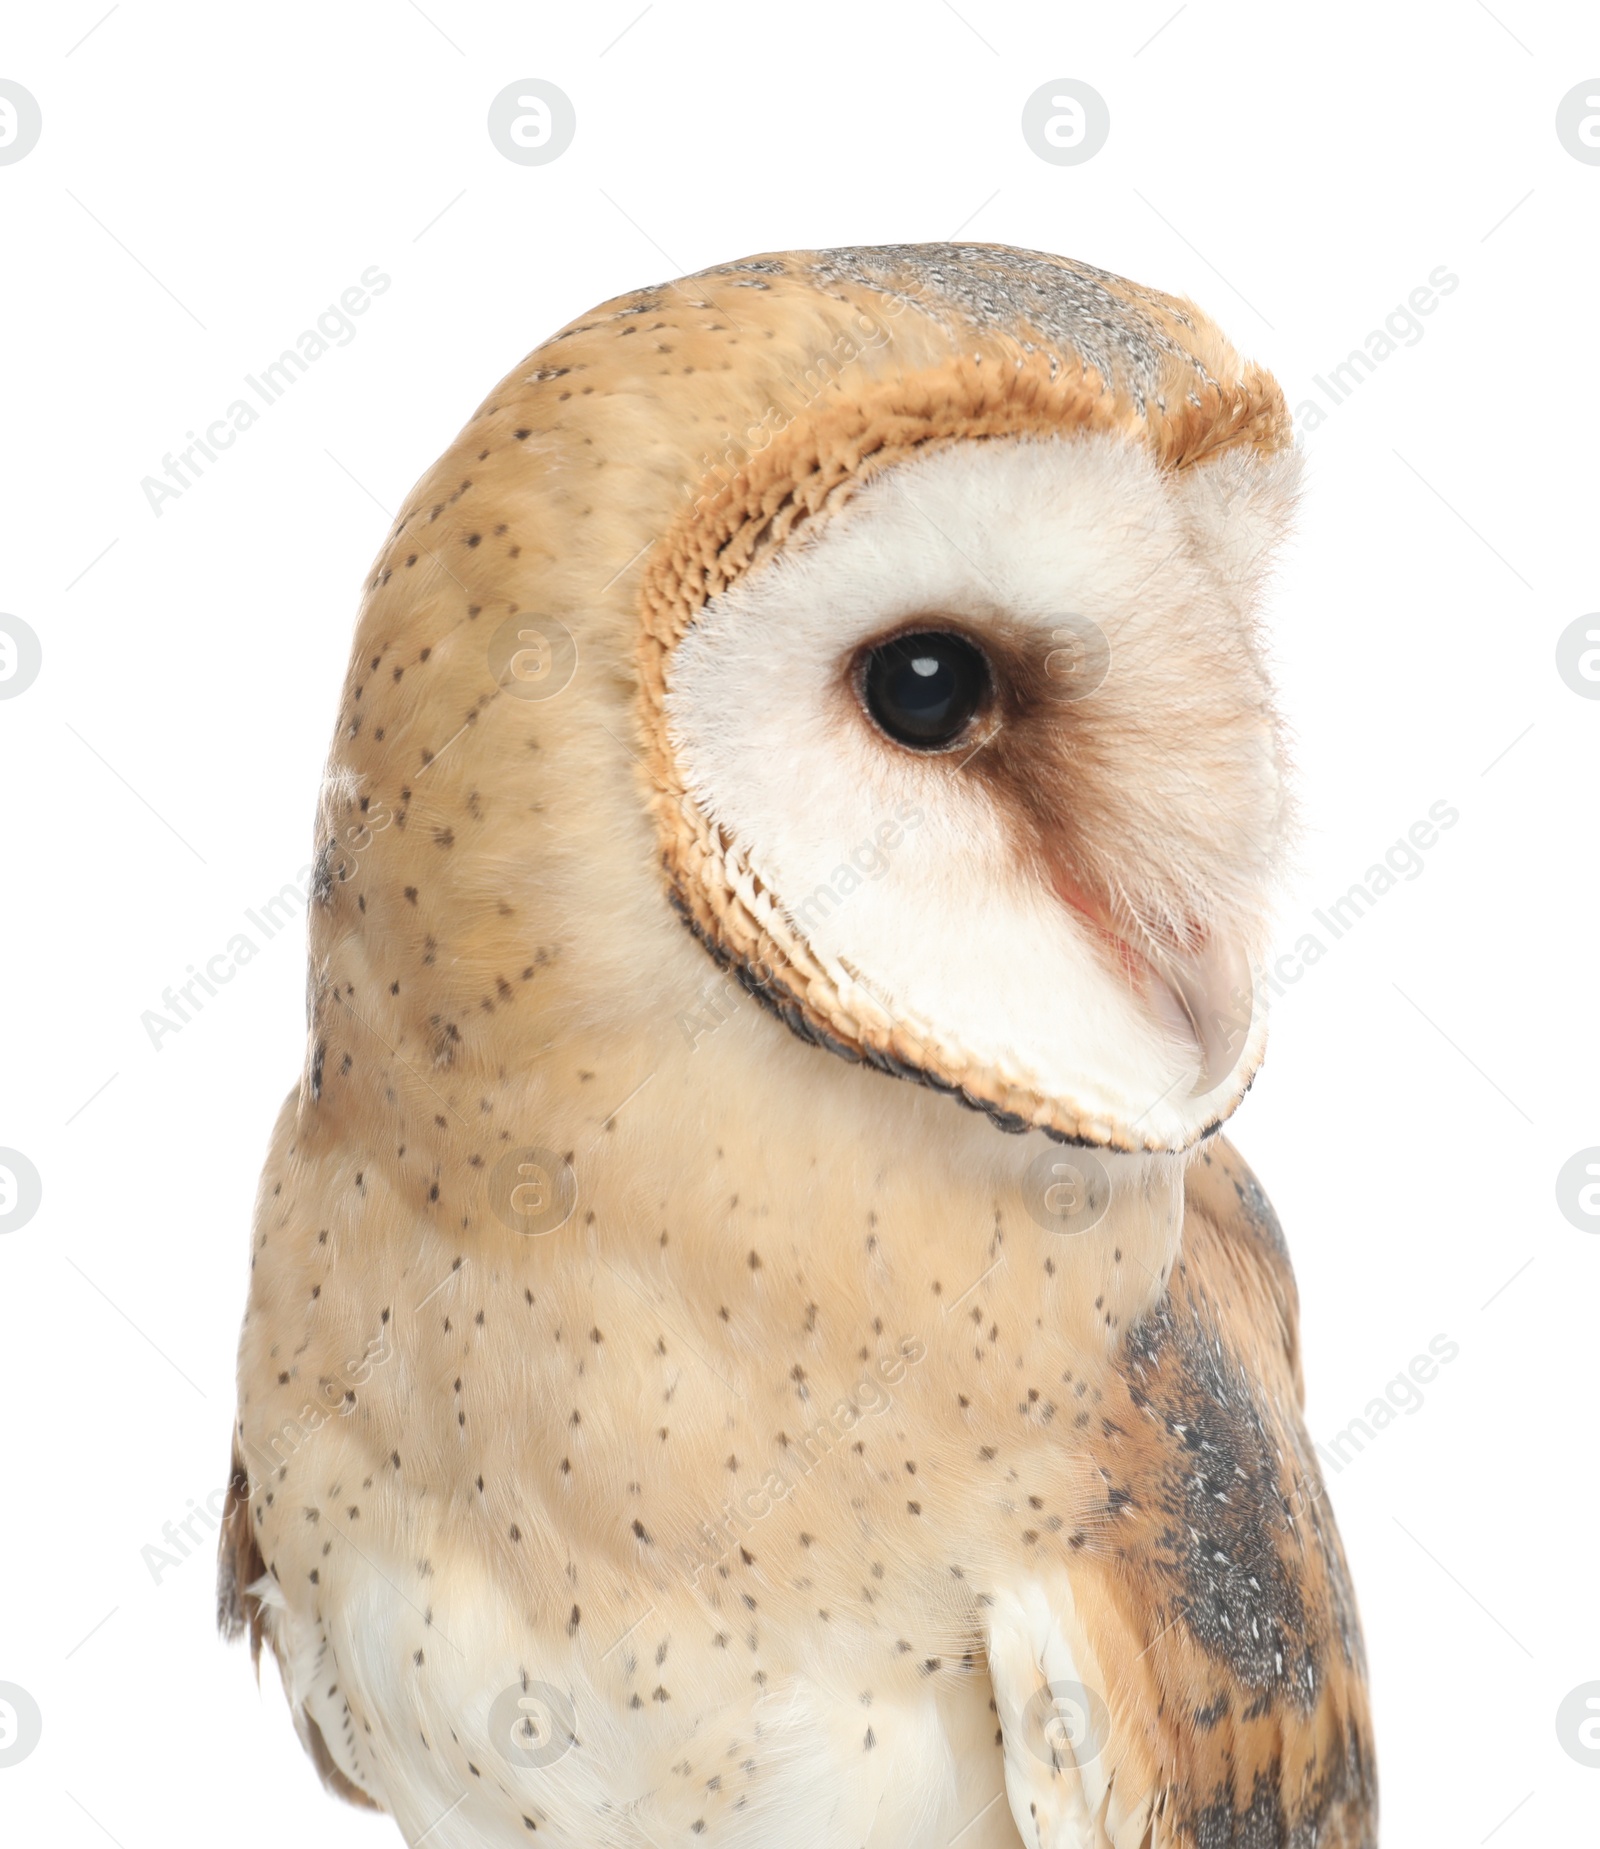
(744, 1156)
(713, 1154)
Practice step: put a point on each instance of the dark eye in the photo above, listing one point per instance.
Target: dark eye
(924, 689)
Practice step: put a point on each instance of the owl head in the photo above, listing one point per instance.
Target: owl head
(916, 590)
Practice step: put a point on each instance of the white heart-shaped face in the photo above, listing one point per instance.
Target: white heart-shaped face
(1064, 900)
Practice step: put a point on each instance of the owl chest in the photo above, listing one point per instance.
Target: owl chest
(747, 1556)
(825, 1457)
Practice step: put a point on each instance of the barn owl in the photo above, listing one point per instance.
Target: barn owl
(755, 1337)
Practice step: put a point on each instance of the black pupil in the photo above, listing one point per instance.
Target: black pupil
(924, 689)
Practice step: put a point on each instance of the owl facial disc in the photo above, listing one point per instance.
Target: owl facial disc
(979, 782)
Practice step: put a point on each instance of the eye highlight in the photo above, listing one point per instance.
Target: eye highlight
(925, 689)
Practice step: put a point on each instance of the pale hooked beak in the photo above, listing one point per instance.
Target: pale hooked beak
(1206, 998)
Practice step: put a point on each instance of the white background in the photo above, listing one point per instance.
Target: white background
(211, 177)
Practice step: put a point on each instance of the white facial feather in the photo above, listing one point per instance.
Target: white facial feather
(896, 867)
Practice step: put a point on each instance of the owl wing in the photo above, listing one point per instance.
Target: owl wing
(1195, 1671)
(245, 1607)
